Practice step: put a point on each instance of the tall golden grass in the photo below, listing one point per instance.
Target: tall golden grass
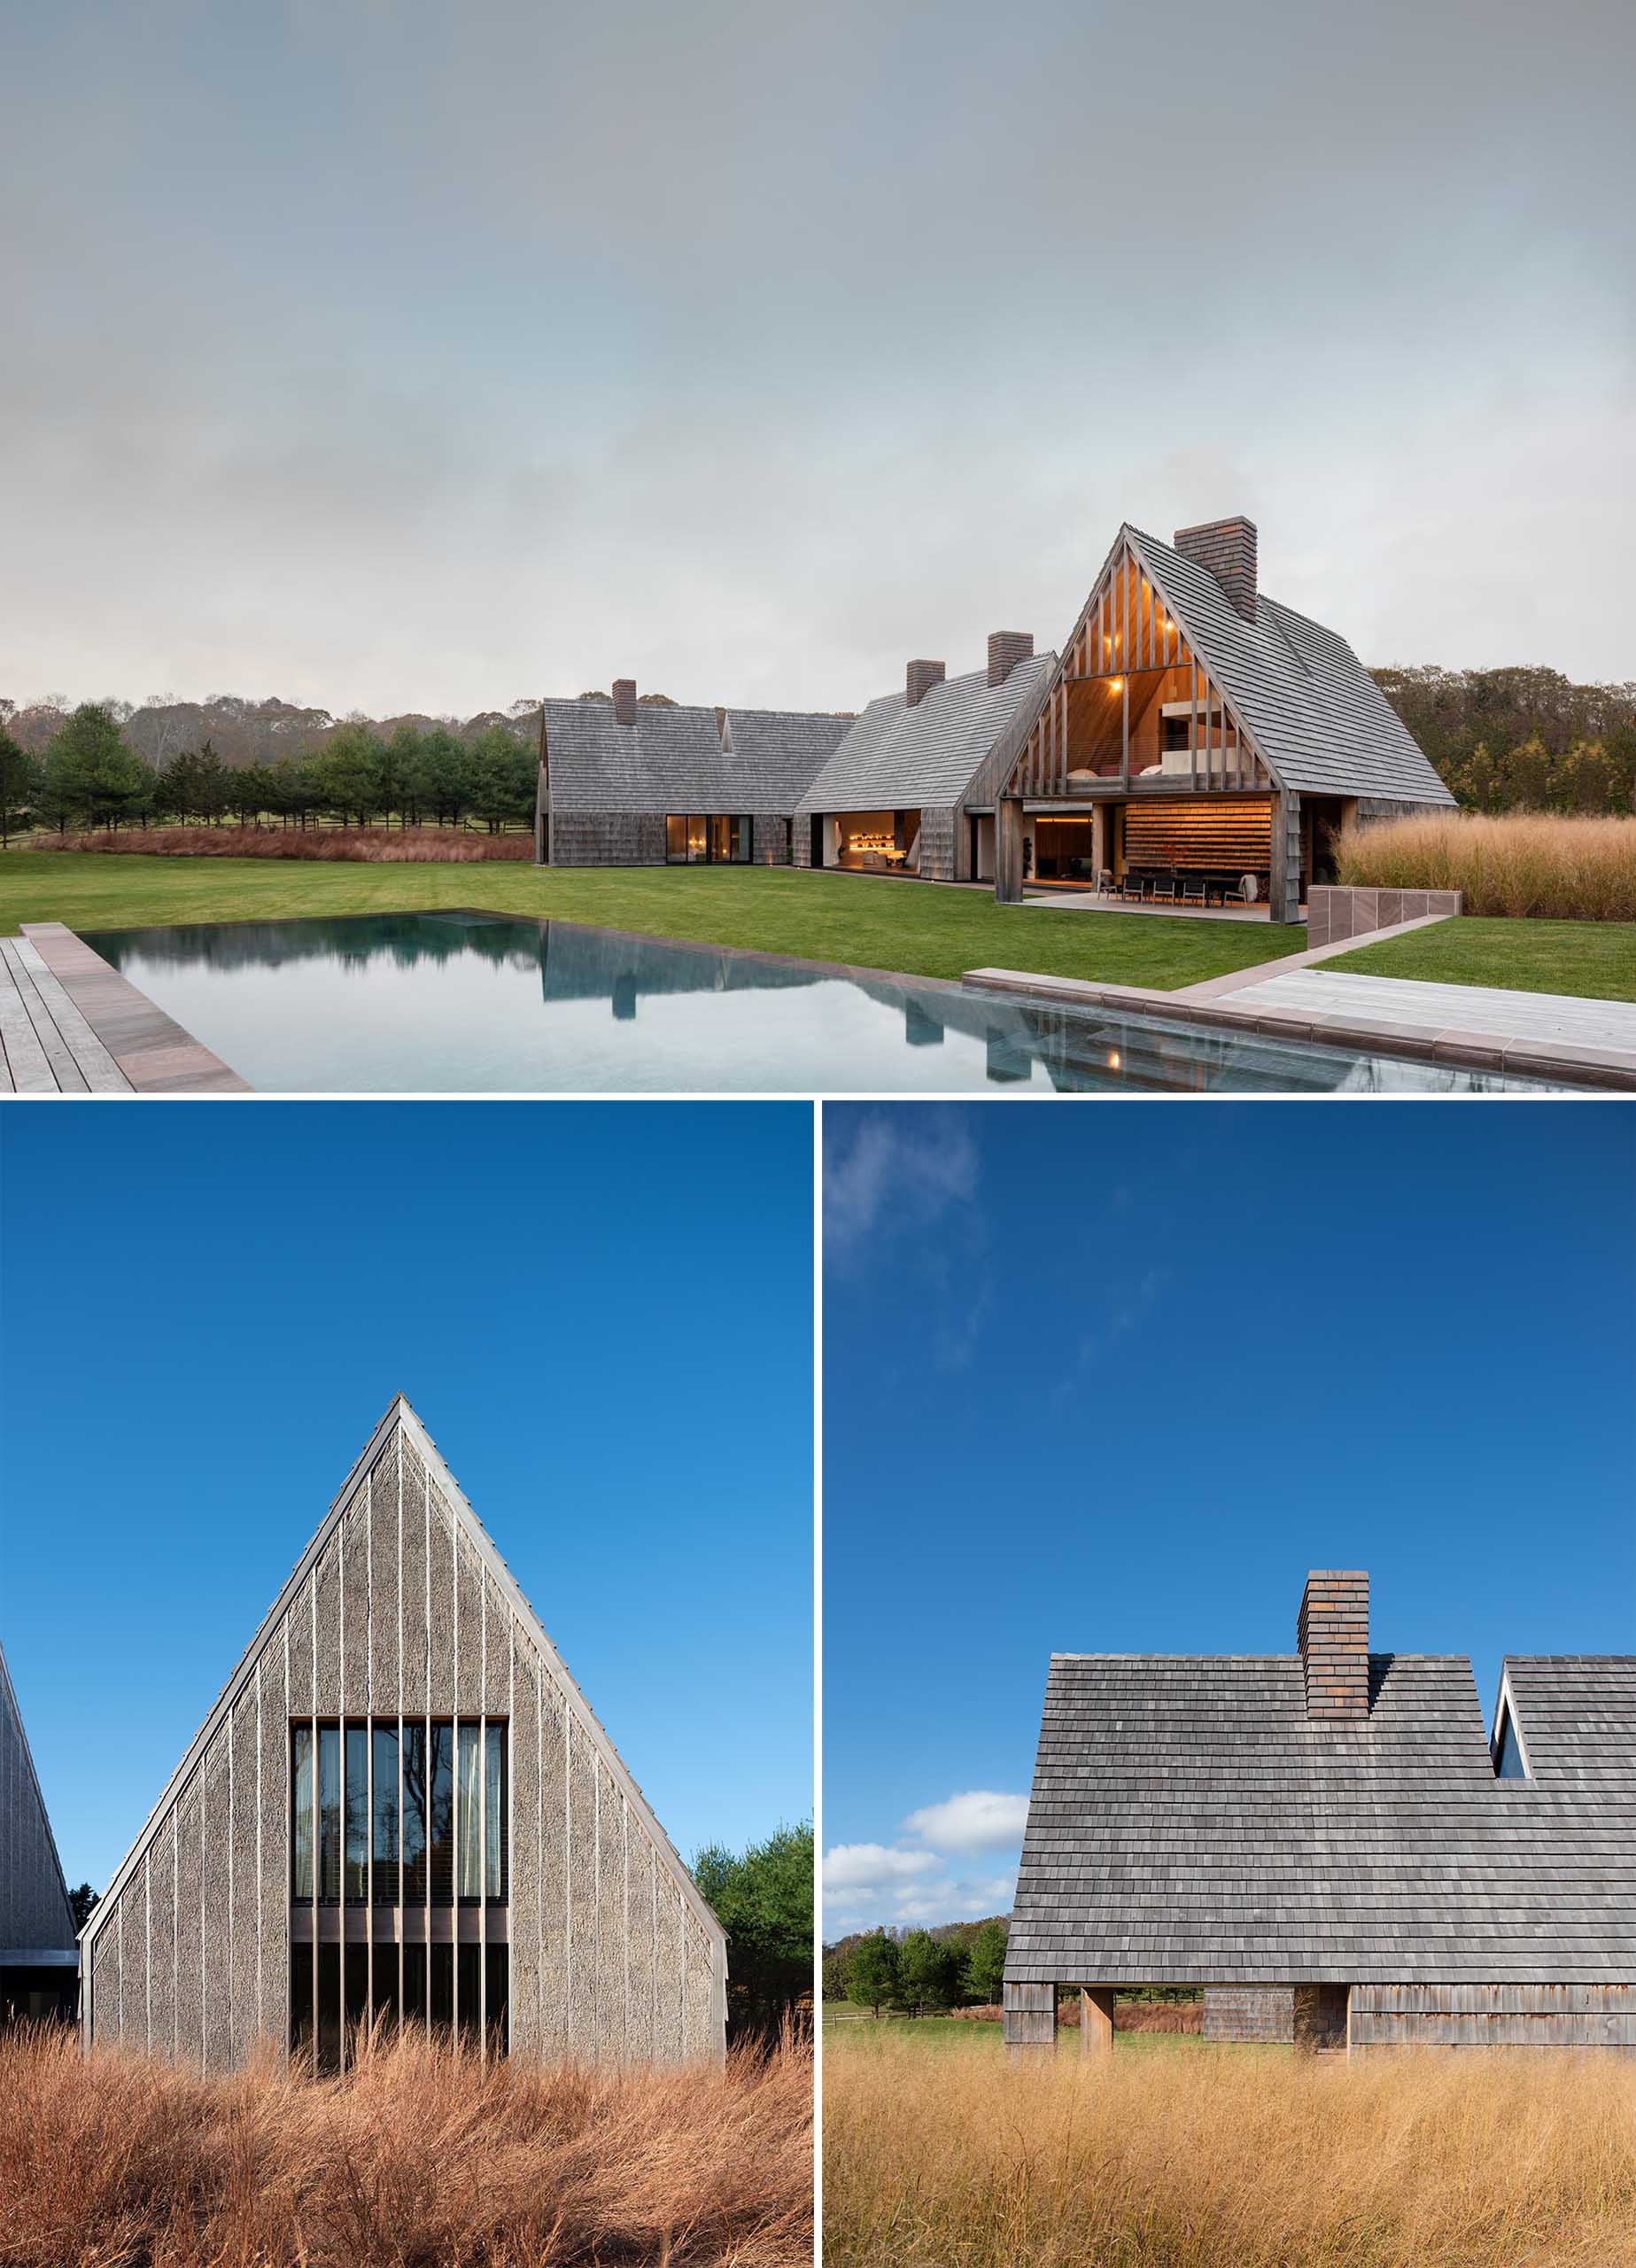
(377, 846)
(418, 2157)
(1185, 2156)
(1128, 2016)
(1527, 865)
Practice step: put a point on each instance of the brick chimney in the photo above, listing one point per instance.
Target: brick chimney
(922, 676)
(624, 701)
(1007, 648)
(1227, 547)
(1332, 1631)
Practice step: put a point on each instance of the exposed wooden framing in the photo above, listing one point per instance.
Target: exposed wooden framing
(1095, 2021)
(1192, 736)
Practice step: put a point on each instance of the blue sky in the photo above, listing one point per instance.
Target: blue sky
(1113, 1379)
(602, 1315)
(399, 355)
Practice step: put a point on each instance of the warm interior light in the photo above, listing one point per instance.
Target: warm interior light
(1115, 684)
(1113, 1059)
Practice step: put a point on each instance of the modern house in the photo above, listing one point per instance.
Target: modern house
(651, 783)
(1334, 1842)
(1194, 731)
(39, 1965)
(910, 789)
(401, 1805)
(1194, 740)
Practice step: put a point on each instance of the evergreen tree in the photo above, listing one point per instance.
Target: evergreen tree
(762, 1897)
(447, 776)
(984, 1963)
(19, 784)
(871, 1979)
(928, 1973)
(89, 772)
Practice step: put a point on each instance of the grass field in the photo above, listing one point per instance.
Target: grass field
(1594, 960)
(419, 2159)
(918, 928)
(1177, 2154)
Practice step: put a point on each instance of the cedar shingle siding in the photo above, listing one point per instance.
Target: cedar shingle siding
(400, 1604)
(607, 786)
(34, 1900)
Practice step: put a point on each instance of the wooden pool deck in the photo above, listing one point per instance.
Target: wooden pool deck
(70, 1025)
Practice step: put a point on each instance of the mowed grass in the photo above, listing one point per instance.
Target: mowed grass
(1593, 961)
(420, 2157)
(1177, 2154)
(915, 929)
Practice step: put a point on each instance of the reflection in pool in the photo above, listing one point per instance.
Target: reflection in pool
(478, 1003)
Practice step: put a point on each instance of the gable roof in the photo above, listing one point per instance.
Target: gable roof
(34, 1916)
(1314, 715)
(677, 759)
(400, 1418)
(1189, 1824)
(929, 756)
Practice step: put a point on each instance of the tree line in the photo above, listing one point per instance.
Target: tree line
(921, 1973)
(762, 1897)
(1522, 739)
(89, 776)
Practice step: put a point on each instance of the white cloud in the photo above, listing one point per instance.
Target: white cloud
(893, 1175)
(863, 1867)
(981, 1820)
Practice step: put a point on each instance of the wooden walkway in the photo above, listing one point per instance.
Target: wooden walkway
(70, 1025)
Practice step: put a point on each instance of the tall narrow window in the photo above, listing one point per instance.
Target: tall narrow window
(357, 1815)
(328, 1813)
(386, 1883)
(468, 1816)
(494, 1816)
(414, 1815)
(440, 1828)
(301, 1823)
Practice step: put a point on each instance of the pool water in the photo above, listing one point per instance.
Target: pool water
(479, 1003)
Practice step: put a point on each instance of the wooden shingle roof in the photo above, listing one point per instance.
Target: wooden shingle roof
(927, 758)
(759, 761)
(1190, 1825)
(1317, 718)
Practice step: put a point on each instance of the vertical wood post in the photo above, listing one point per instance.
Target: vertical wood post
(1284, 895)
(1008, 851)
(1096, 2020)
(1028, 2021)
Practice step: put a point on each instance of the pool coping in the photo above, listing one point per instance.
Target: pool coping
(153, 1050)
(1560, 1061)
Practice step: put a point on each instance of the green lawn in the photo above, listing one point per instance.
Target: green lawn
(919, 929)
(1595, 960)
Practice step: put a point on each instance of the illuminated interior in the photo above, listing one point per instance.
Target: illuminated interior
(880, 842)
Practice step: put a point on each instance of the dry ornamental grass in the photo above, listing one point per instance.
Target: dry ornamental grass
(1182, 2157)
(369, 845)
(1527, 865)
(419, 2157)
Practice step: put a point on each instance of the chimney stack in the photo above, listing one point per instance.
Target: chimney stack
(1332, 1631)
(624, 701)
(921, 677)
(1007, 648)
(1227, 547)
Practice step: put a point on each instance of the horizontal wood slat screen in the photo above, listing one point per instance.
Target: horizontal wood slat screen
(1198, 834)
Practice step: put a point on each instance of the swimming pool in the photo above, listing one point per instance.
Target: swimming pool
(482, 1003)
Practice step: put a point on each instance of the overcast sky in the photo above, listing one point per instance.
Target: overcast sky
(400, 356)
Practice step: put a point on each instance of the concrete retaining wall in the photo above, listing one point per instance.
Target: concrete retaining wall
(1334, 914)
